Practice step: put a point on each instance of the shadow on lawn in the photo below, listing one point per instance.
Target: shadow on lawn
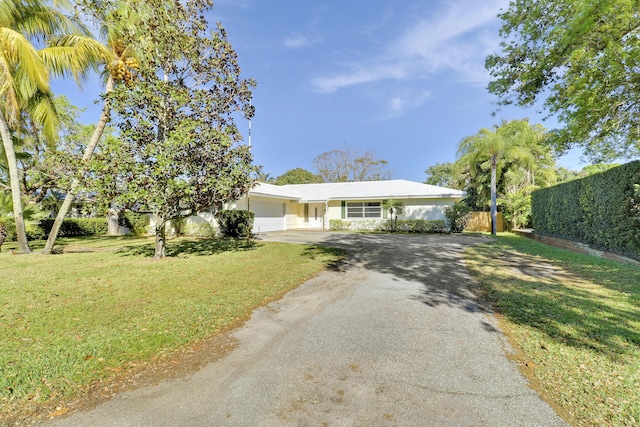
(565, 307)
(197, 247)
(335, 261)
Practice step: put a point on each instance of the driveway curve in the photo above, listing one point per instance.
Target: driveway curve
(394, 336)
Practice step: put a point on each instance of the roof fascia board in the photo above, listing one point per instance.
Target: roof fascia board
(439, 196)
(274, 196)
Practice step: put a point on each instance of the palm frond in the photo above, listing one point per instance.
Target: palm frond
(75, 55)
(39, 21)
(22, 69)
(43, 112)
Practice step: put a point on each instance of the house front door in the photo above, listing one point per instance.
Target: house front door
(316, 215)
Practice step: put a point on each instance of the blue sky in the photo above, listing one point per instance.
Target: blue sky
(404, 79)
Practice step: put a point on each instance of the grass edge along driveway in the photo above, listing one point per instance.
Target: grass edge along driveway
(72, 322)
(575, 319)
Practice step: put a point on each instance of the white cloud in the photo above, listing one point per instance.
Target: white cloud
(296, 41)
(358, 75)
(400, 104)
(455, 39)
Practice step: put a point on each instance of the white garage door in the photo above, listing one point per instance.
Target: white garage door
(269, 215)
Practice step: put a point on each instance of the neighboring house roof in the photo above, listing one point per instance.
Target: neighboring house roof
(391, 189)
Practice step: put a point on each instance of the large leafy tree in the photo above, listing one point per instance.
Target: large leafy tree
(442, 175)
(179, 150)
(489, 149)
(582, 58)
(26, 25)
(349, 163)
(298, 176)
(47, 166)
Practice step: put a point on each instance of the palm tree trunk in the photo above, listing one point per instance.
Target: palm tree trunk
(75, 184)
(14, 180)
(494, 206)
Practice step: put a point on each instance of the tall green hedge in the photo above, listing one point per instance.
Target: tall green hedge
(601, 210)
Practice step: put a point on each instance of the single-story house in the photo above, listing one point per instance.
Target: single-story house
(312, 206)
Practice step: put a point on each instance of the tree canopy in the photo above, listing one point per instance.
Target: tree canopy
(581, 57)
(349, 163)
(36, 40)
(442, 175)
(178, 150)
(511, 155)
(298, 176)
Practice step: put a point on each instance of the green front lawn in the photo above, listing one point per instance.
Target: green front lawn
(70, 320)
(576, 319)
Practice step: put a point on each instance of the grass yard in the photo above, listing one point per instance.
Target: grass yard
(68, 321)
(576, 319)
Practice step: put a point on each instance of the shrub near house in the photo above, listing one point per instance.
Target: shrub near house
(235, 223)
(402, 225)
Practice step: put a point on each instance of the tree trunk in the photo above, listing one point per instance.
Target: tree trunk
(14, 181)
(160, 237)
(75, 184)
(494, 206)
(113, 226)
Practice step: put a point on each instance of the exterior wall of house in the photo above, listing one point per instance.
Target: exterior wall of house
(307, 215)
(203, 224)
(428, 209)
(291, 219)
(282, 214)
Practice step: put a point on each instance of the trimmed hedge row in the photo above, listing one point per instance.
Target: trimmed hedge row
(34, 231)
(77, 227)
(601, 210)
(402, 225)
(69, 227)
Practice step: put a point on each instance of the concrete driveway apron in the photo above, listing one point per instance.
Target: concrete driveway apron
(392, 337)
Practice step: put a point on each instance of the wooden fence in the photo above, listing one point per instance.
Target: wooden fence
(481, 221)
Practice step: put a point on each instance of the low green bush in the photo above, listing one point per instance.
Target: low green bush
(3, 234)
(179, 225)
(458, 216)
(137, 223)
(419, 226)
(76, 227)
(338, 224)
(201, 229)
(235, 223)
(34, 230)
(401, 225)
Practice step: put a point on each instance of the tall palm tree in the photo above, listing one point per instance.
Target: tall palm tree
(24, 76)
(492, 146)
(118, 21)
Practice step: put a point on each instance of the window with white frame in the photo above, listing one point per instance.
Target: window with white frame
(364, 210)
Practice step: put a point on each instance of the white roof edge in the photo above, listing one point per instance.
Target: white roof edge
(273, 196)
(366, 190)
(436, 196)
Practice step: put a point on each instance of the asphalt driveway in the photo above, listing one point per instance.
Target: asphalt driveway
(392, 337)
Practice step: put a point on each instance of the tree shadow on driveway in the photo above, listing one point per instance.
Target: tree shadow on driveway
(435, 261)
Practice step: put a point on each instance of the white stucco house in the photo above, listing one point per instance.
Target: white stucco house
(312, 206)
